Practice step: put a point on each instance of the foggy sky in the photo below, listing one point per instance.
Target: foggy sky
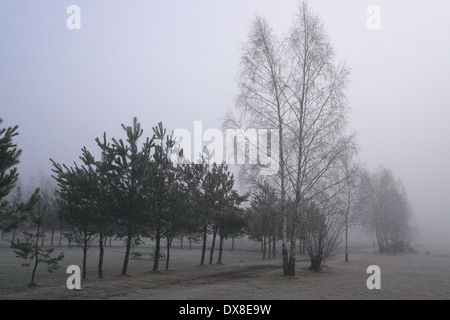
(177, 62)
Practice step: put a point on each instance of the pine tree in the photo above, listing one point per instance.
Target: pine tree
(11, 214)
(20, 217)
(128, 178)
(223, 199)
(160, 191)
(78, 205)
(106, 199)
(30, 250)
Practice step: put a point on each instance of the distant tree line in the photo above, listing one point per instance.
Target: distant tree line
(373, 201)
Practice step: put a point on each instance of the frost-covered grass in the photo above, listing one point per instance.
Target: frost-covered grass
(244, 275)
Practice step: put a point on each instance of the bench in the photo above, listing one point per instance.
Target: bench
(139, 251)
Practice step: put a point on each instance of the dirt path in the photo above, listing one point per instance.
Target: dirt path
(200, 280)
(132, 287)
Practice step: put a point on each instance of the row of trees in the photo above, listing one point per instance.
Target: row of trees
(294, 86)
(15, 212)
(130, 192)
(134, 191)
(12, 213)
(372, 201)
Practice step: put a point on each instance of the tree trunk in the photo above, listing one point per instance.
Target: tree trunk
(169, 243)
(100, 257)
(205, 231)
(127, 255)
(264, 243)
(60, 237)
(84, 259)
(85, 249)
(291, 264)
(157, 248)
(284, 251)
(232, 244)
(274, 249)
(53, 235)
(211, 253)
(346, 243)
(269, 242)
(36, 260)
(35, 267)
(220, 249)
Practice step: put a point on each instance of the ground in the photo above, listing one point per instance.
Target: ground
(244, 275)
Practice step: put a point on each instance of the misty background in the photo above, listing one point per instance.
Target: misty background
(177, 61)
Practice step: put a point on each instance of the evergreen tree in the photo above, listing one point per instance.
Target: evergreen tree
(158, 191)
(78, 205)
(224, 199)
(11, 215)
(30, 250)
(128, 180)
(87, 201)
(105, 198)
(198, 181)
(178, 216)
(20, 217)
(211, 199)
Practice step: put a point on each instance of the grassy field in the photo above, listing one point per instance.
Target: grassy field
(244, 275)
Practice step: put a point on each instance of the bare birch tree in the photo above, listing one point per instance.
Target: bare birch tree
(348, 196)
(295, 86)
(262, 104)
